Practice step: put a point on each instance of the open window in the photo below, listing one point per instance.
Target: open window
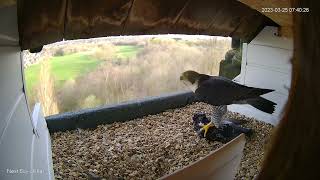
(73, 75)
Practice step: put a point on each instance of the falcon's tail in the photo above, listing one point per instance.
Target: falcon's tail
(259, 91)
(262, 104)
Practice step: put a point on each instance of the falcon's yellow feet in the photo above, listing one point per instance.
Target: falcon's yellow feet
(206, 127)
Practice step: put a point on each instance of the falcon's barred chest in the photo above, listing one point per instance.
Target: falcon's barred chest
(216, 117)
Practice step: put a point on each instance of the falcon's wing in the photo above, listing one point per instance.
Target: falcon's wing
(221, 91)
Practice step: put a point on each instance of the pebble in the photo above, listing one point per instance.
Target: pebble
(149, 147)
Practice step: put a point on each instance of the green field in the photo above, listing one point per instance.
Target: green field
(127, 51)
(73, 65)
(62, 68)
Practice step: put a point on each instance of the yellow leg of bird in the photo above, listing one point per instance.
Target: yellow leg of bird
(206, 127)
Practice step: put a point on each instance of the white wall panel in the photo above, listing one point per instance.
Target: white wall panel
(262, 77)
(269, 57)
(266, 64)
(23, 155)
(11, 82)
(15, 145)
(41, 148)
(269, 37)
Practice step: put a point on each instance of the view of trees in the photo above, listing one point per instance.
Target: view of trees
(90, 73)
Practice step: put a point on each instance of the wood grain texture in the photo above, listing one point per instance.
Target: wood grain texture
(42, 22)
(220, 164)
(284, 19)
(6, 3)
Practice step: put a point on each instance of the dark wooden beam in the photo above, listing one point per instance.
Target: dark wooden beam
(42, 22)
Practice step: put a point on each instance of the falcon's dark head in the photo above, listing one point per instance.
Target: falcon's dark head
(191, 79)
(190, 76)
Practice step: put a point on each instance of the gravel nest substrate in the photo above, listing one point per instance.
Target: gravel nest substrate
(148, 147)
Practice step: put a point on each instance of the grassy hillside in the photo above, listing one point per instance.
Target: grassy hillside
(73, 65)
(127, 51)
(90, 75)
(62, 68)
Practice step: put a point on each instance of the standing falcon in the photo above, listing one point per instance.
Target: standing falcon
(220, 91)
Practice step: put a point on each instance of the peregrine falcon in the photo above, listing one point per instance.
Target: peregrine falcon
(220, 91)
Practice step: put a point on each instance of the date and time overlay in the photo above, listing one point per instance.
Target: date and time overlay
(284, 10)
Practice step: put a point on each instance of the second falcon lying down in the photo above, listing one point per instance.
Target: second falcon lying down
(220, 91)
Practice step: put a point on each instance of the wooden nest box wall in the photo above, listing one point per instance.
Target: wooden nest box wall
(30, 25)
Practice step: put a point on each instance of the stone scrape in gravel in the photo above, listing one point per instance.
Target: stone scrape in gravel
(148, 147)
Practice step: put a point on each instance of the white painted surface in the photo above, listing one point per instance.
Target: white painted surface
(269, 37)
(15, 145)
(23, 154)
(268, 57)
(258, 76)
(266, 64)
(11, 82)
(41, 147)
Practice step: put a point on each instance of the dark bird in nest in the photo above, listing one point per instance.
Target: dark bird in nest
(219, 91)
(228, 129)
